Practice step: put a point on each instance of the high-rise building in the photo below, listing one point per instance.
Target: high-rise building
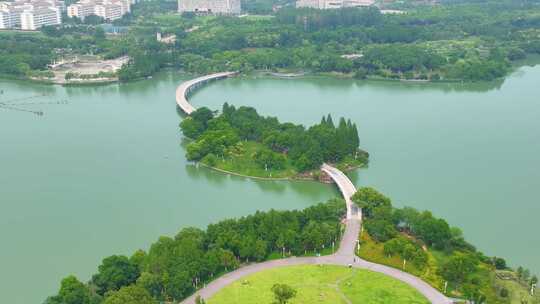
(107, 9)
(5, 18)
(34, 19)
(30, 14)
(219, 7)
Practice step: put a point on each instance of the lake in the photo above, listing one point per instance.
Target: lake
(106, 173)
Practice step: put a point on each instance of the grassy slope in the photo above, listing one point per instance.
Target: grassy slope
(241, 161)
(517, 291)
(373, 251)
(320, 284)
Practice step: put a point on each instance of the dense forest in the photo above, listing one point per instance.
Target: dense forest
(435, 251)
(455, 40)
(218, 136)
(173, 268)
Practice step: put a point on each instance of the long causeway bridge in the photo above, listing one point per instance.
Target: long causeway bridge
(185, 88)
(346, 253)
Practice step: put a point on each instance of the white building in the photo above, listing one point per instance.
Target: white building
(107, 9)
(5, 18)
(30, 14)
(219, 7)
(333, 4)
(80, 10)
(34, 19)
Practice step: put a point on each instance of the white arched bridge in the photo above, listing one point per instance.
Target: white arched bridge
(344, 256)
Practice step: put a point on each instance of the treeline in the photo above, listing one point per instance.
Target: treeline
(216, 136)
(19, 54)
(412, 235)
(450, 41)
(25, 54)
(174, 268)
(314, 40)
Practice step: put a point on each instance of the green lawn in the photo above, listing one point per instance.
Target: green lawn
(241, 161)
(320, 284)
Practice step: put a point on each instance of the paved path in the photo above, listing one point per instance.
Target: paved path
(347, 189)
(344, 256)
(185, 88)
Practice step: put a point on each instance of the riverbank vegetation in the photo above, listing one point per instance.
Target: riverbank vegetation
(322, 284)
(451, 41)
(173, 268)
(431, 249)
(243, 142)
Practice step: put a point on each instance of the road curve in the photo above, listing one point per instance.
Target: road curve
(344, 256)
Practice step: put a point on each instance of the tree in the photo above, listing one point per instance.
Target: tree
(99, 34)
(433, 231)
(526, 274)
(504, 293)
(499, 263)
(72, 291)
(132, 294)
(368, 199)
(192, 128)
(380, 230)
(202, 115)
(179, 285)
(520, 272)
(458, 267)
(152, 283)
(283, 293)
(115, 272)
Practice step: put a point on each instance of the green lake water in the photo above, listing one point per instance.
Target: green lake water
(106, 173)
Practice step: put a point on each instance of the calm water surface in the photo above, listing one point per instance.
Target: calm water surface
(106, 173)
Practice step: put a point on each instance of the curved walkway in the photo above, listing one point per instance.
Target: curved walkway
(185, 88)
(345, 255)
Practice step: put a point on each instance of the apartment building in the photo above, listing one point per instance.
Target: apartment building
(30, 14)
(107, 9)
(219, 7)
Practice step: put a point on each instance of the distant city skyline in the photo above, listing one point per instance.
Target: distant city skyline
(220, 7)
(107, 9)
(333, 4)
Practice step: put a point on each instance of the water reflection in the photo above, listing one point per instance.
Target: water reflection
(322, 83)
(198, 172)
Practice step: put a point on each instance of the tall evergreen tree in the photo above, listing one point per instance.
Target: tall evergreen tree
(329, 121)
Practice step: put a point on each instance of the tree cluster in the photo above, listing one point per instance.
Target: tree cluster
(174, 268)
(409, 234)
(307, 149)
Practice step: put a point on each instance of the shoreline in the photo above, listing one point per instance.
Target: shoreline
(300, 74)
(293, 178)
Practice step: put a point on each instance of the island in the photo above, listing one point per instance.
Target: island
(240, 141)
